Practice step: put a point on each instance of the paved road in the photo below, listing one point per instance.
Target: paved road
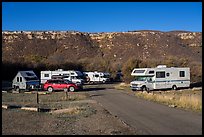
(146, 117)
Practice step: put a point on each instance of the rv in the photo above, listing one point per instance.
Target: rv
(25, 80)
(160, 77)
(97, 77)
(71, 75)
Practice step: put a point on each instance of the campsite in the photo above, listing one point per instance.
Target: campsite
(79, 112)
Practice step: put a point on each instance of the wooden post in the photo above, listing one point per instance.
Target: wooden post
(67, 96)
(37, 98)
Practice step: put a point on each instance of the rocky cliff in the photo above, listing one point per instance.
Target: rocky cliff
(57, 47)
(99, 49)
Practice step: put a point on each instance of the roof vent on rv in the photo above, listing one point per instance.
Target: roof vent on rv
(60, 69)
(161, 66)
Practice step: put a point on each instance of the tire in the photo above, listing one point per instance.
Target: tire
(71, 89)
(50, 89)
(17, 89)
(174, 87)
(144, 88)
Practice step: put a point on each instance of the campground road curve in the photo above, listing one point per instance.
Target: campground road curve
(148, 118)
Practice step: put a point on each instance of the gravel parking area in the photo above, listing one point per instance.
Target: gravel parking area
(78, 116)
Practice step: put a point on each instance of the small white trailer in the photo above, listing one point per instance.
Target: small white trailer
(25, 80)
(72, 75)
(160, 77)
(97, 77)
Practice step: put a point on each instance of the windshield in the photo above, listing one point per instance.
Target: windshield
(79, 77)
(143, 78)
(106, 76)
(140, 78)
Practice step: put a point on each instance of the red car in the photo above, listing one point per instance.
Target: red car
(59, 84)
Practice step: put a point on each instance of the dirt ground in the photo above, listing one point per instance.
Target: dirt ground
(80, 115)
(87, 117)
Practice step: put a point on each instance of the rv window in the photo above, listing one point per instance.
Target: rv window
(96, 75)
(160, 74)
(56, 77)
(46, 75)
(167, 74)
(139, 71)
(20, 79)
(72, 73)
(65, 76)
(151, 72)
(182, 73)
(17, 79)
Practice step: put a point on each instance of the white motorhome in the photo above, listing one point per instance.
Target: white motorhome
(160, 77)
(97, 77)
(72, 75)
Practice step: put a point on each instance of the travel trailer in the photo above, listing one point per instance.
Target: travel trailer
(25, 80)
(97, 77)
(160, 77)
(72, 75)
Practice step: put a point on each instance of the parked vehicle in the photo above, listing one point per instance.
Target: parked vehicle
(59, 84)
(25, 80)
(160, 77)
(72, 75)
(97, 77)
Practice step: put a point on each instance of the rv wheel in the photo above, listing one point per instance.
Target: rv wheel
(144, 88)
(72, 89)
(16, 88)
(174, 87)
(50, 89)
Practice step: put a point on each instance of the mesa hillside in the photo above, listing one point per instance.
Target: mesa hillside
(43, 50)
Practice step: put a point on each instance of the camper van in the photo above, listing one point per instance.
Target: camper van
(160, 77)
(97, 77)
(25, 80)
(71, 75)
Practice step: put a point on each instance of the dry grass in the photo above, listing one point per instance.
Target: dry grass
(187, 99)
(73, 110)
(192, 102)
(122, 86)
(54, 99)
(190, 99)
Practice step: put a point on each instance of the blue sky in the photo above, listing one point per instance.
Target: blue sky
(102, 16)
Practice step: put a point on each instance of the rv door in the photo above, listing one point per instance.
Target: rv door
(150, 83)
(96, 78)
(160, 81)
